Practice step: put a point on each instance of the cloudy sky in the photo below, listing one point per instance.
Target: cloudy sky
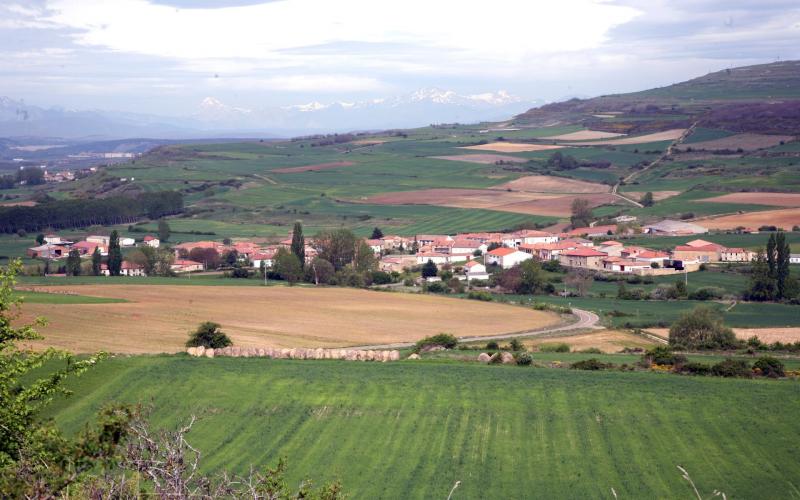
(165, 56)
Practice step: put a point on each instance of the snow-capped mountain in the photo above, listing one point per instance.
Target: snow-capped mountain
(215, 118)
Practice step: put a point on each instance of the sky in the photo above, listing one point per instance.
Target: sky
(165, 56)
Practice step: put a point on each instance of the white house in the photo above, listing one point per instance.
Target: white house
(102, 241)
(474, 270)
(186, 266)
(265, 257)
(505, 257)
(528, 237)
(53, 239)
(441, 258)
(794, 258)
(126, 242)
(152, 241)
(126, 269)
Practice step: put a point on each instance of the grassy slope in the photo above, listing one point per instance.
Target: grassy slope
(410, 430)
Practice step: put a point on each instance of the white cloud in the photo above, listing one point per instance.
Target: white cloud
(449, 30)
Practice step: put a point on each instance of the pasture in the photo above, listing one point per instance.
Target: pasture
(158, 318)
(412, 429)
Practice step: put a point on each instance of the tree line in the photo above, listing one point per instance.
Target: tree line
(771, 277)
(66, 214)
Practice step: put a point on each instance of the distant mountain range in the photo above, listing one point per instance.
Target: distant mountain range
(214, 118)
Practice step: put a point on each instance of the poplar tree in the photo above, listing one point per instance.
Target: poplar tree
(96, 261)
(782, 270)
(299, 243)
(114, 255)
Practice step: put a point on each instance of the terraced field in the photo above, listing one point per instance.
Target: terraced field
(412, 429)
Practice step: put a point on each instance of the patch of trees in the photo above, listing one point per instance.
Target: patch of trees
(582, 214)
(64, 214)
(758, 117)
(208, 334)
(526, 278)
(560, 161)
(770, 277)
(701, 329)
(30, 176)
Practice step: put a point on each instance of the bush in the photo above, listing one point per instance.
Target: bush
(443, 339)
(770, 367)
(695, 368)
(492, 346)
(516, 345)
(732, 368)
(663, 355)
(590, 364)
(707, 293)
(560, 347)
(480, 295)
(208, 334)
(524, 359)
(591, 350)
(438, 287)
(381, 278)
(702, 328)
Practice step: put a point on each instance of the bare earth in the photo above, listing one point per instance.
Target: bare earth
(512, 147)
(747, 142)
(158, 318)
(584, 135)
(311, 168)
(785, 218)
(667, 135)
(773, 199)
(487, 159)
(768, 335)
(552, 184)
(657, 195)
(608, 341)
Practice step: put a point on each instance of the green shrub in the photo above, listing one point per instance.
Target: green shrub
(770, 367)
(694, 368)
(732, 368)
(560, 347)
(442, 339)
(480, 295)
(524, 359)
(701, 328)
(663, 355)
(381, 278)
(492, 346)
(590, 364)
(208, 334)
(516, 345)
(438, 287)
(707, 293)
(591, 350)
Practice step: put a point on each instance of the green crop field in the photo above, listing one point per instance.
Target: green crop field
(412, 429)
(59, 298)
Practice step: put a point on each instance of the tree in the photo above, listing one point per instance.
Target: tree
(321, 271)
(581, 213)
(231, 257)
(114, 254)
(377, 233)
(772, 256)
(163, 230)
(208, 334)
(762, 286)
(580, 279)
(287, 266)
(647, 199)
(208, 256)
(429, 269)
(299, 243)
(782, 269)
(532, 278)
(36, 460)
(74, 263)
(701, 328)
(338, 247)
(40, 239)
(97, 260)
(363, 257)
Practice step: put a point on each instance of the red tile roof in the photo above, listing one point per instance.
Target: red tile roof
(502, 252)
(584, 252)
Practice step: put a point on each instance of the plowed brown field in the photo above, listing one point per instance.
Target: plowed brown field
(512, 147)
(773, 199)
(785, 218)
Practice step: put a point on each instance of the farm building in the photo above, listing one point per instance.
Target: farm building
(151, 241)
(794, 258)
(265, 258)
(87, 247)
(474, 270)
(528, 237)
(688, 253)
(102, 241)
(375, 245)
(186, 266)
(674, 228)
(582, 257)
(397, 263)
(736, 255)
(126, 242)
(505, 257)
(441, 258)
(126, 269)
(47, 251)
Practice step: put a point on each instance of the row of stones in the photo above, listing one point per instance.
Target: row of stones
(268, 352)
(505, 357)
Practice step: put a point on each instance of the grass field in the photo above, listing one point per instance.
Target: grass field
(158, 318)
(412, 429)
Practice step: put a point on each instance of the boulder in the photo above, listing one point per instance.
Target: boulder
(484, 358)
(192, 351)
(414, 356)
(200, 350)
(507, 358)
(209, 353)
(236, 352)
(226, 351)
(394, 356)
(285, 353)
(319, 353)
(261, 352)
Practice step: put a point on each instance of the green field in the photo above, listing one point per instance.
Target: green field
(60, 298)
(412, 429)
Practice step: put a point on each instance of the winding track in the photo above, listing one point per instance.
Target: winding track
(586, 320)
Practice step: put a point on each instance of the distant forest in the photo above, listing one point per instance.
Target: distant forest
(65, 214)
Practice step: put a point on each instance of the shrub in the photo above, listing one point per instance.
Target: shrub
(516, 345)
(695, 368)
(208, 334)
(591, 350)
(442, 339)
(492, 346)
(590, 364)
(438, 287)
(707, 293)
(560, 347)
(480, 295)
(663, 355)
(381, 278)
(770, 367)
(524, 359)
(732, 368)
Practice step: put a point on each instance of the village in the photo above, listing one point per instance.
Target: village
(475, 255)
